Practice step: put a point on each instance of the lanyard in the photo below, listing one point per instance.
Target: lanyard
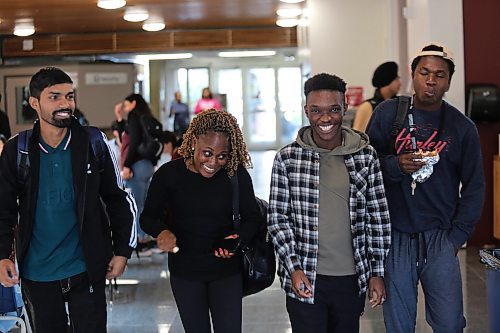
(413, 127)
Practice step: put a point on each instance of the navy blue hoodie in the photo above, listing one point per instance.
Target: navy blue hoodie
(439, 202)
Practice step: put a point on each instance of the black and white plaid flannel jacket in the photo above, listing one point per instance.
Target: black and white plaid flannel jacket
(293, 214)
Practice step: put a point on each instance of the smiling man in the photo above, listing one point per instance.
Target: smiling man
(328, 217)
(434, 208)
(65, 245)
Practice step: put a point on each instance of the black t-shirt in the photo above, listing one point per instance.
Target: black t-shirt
(199, 214)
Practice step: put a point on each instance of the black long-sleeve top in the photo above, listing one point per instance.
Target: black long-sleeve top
(199, 213)
(135, 136)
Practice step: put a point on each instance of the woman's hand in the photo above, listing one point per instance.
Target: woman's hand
(224, 253)
(167, 241)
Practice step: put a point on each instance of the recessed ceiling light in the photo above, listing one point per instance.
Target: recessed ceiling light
(135, 14)
(292, 1)
(24, 27)
(240, 54)
(287, 22)
(289, 12)
(154, 24)
(111, 4)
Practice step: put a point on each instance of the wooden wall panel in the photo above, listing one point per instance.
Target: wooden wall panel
(87, 43)
(264, 37)
(58, 45)
(44, 45)
(154, 41)
(206, 39)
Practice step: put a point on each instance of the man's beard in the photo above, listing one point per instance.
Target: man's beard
(64, 122)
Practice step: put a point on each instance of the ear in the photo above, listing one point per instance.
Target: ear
(305, 110)
(34, 103)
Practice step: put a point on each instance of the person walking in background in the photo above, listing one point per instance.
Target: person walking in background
(207, 101)
(435, 186)
(387, 83)
(136, 169)
(180, 111)
(65, 245)
(328, 217)
(170, 148)
(196, 193)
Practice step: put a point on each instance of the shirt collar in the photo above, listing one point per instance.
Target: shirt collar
(44, 147)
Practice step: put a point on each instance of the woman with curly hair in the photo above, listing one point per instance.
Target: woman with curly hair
(189, 210)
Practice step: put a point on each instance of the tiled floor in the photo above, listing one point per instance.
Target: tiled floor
(148, 306)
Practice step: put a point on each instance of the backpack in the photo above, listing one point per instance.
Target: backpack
(150, 147)
(23, 163)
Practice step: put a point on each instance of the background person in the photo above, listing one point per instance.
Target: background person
(328, 217)
(180, 111)
(207, 101)
(387, 83)
(432, 220)
(63, 250)
(137, 170)
(196, 191)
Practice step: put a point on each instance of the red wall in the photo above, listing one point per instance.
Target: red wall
(482, 65)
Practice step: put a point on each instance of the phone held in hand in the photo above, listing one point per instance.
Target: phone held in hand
(229, 244)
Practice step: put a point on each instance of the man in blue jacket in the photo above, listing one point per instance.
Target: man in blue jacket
(67, 244)
(433, 208)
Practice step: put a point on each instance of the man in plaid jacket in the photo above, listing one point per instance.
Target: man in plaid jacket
(328, 216)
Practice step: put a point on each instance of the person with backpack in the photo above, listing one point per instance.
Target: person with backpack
(328, 217)
(142, 130)
(387, 83)
(61, 191)
(433, 175)
(195, 193)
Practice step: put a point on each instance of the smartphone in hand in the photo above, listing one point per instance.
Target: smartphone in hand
(229, 244)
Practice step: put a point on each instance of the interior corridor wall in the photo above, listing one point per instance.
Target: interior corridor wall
(439, 21)
(351, 38)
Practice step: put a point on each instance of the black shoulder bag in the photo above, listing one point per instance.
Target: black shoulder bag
(259, 261)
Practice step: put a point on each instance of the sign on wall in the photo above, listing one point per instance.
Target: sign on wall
(105, 78)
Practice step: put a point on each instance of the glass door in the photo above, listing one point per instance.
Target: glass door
(261, 108)
(230, 83)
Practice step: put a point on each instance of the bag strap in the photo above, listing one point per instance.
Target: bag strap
(402, 111)
(236, 202)
(23, 160)
(97, 143)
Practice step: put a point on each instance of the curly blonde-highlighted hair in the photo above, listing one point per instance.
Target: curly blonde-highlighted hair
(212, 120)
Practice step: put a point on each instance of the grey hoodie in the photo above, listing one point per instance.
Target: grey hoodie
(335, 254)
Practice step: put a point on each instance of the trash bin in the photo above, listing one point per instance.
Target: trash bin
(491, 259)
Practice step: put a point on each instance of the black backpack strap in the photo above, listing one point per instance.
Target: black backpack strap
(236, 202)
(23, 160)
(399, 121)
(98, 145)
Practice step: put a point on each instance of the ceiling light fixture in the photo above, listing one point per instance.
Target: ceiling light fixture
(287, 22)
(292, 1)
(24, 27)
(164, 56)
(241, 54)
(135, 14)
(289, 12)
(154, 24)
(111, 4)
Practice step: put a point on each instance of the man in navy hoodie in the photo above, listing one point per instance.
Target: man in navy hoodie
(434, 208)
